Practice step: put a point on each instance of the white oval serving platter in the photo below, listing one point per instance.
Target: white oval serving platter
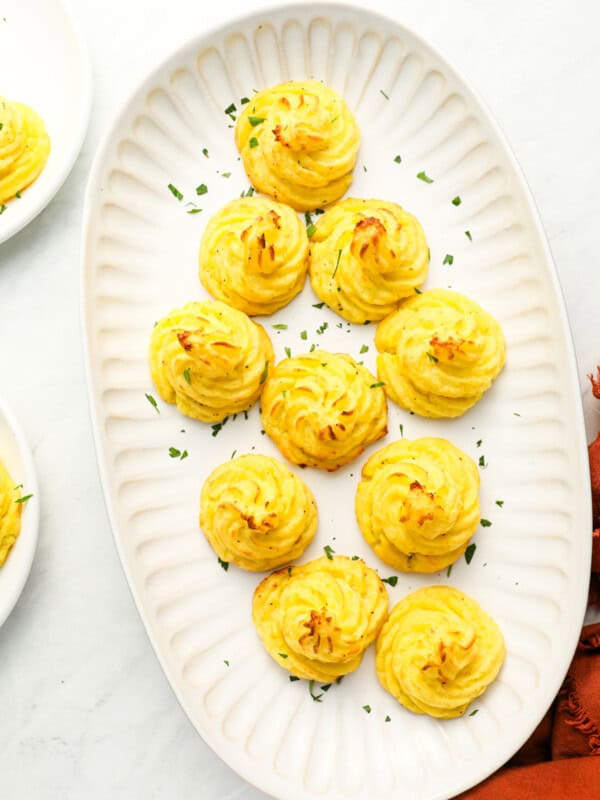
(530, 569)
(44, 63)
(16, 457)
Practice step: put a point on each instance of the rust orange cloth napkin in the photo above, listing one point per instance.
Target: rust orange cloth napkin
(560, 761)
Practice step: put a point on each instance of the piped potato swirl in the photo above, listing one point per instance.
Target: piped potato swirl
(417, 504)
(365, 256)
(438, 651)
(322, 409)
(10, 513)
(256, 513)
(24, 148)
(439, 353)
(317, 620)
(298, 141)
(210, 360)
(254, 255)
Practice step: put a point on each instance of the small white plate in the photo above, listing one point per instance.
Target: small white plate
(140, 250)
(16, 457)
(44, 63)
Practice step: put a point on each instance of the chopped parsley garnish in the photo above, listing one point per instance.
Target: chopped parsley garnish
(193, 210)
(516, 414)
(472, 714)
(254, 121)
(448, 259)
(418, 291)
(313, 347)
(337, 263)
(398, 159)
(315, 697)
(175, 192)
(478, 443)
(482, 462)
(218, 426)
(392, 580)
(18, 195)
(364, 348)
(202, 189)
(422, 176)
(23, 499)
(448, 571)
(224, 564)
(3, 208)
(384, 94)
(388, 719)
(253, 141)
(187, 376)
(318, 305)
(233, 454)
(230, 108)
(311, 229)
(294, 678)
(205, 152)
(485, 523)
(287, 351)
(355, 558)
(264, 373)
(226, 174)
(304, 335)
(470, 552)
(402, 430)
(244, 100)
(500, 503)
(377, 385)
(152, 402)
(226, 662)
(175, 453)
(468, 235)
(248, 193)
(456, 201)
(282, 655)
(431, 357)
(322, 328)
(280, 326)
(367, 709)
(329, 551)
(326, 687)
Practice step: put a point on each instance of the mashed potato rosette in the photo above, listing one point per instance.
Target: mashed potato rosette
(439, 353)
(317, 620)
(298, 141)
(438, 651)
(365, 256)
(210, 360)
(417, 504)
(10, 513)
(24, 148)
(257, 514)
(254, 255)
(322, 409)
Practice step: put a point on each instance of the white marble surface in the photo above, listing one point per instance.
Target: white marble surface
(84, 708)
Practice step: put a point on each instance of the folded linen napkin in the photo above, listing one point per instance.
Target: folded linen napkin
(560, 759)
